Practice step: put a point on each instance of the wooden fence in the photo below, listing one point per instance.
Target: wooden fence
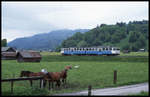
(22, 79)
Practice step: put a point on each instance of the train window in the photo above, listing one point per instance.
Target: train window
(110, 48)
(97, 49)
(79, 49)
(101, 49)
(106, 48)
(118, 49)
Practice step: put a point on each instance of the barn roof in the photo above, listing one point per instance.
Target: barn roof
(3, 49)
(30, 54)
(9, 54)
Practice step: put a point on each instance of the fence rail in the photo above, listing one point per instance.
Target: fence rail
(22, 78)
(11, 80)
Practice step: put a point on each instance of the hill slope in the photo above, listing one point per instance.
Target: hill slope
(44, 41)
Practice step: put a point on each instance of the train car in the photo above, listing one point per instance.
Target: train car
(101, 50)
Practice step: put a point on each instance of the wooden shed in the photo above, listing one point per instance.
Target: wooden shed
(28, 56)
(8, 55)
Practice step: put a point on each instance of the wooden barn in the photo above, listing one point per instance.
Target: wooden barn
(8, 55)
(28, 56)
(7, 49)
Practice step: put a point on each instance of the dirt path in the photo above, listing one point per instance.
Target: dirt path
(122, 90)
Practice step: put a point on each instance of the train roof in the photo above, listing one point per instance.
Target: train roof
(96, 47)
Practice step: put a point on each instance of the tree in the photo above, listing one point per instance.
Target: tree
(133, 47)
(4, 42)
(82, 44)
(70, 43)
(78, 36)
(121, 24)
(102, 25)
(97, 42)
(126, 47)
(115, 38)
(132, 37)
(141, 41)
(58, 49)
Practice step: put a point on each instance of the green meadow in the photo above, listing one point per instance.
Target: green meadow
(93, 70)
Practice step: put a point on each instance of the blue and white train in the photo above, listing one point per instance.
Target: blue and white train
(101, 50)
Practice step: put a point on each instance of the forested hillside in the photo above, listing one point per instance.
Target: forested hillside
(132, 36)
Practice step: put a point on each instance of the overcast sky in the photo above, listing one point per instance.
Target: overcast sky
(21, 19)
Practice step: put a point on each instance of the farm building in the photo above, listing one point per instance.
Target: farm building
(7, 49)
(8, 55)
(28, 56)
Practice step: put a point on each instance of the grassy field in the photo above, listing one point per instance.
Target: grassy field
(93, 70)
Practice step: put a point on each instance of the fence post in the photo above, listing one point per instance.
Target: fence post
(12, 84)
(31, 82)
(49, 84)
(40, 83)
(11, 87)
(89, 90)
(115, 76)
